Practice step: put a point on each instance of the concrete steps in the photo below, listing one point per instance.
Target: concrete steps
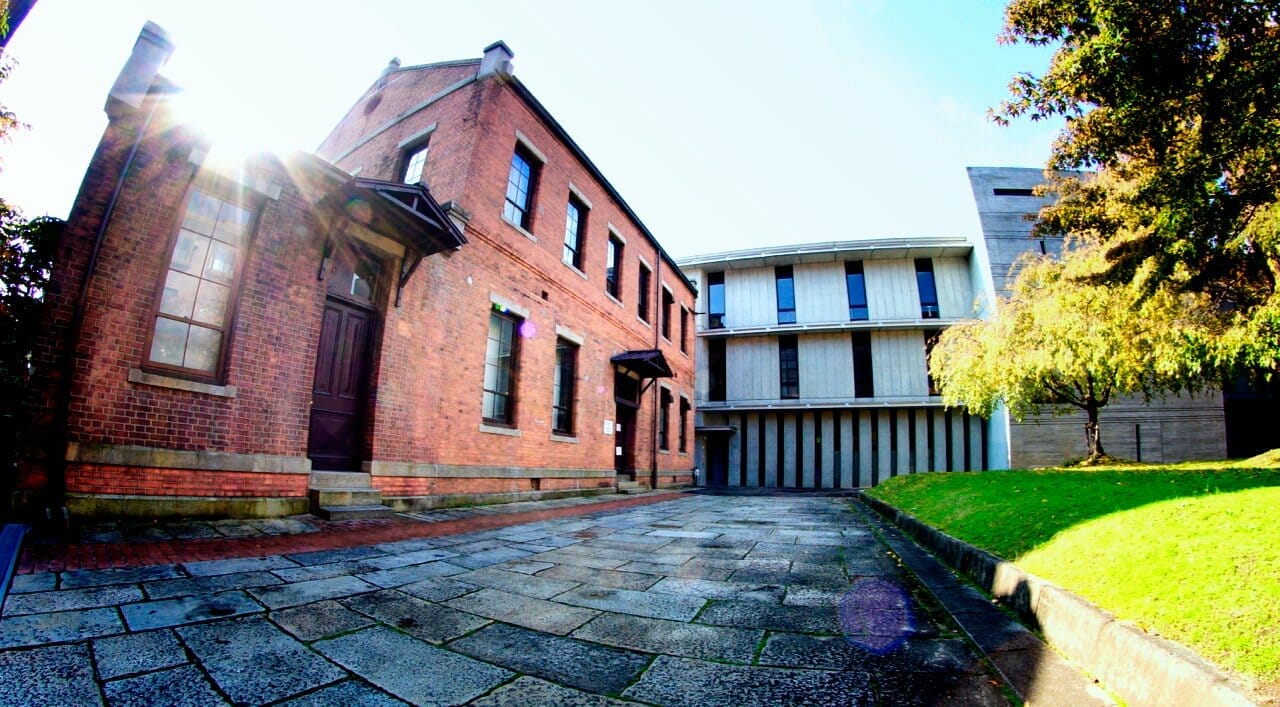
(345, 495)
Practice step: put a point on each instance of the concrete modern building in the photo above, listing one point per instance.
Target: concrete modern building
(811, 363)
(1177, 428)
(449, 303)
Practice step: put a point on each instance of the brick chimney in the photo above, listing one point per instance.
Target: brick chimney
(497, 60)
(150, 52)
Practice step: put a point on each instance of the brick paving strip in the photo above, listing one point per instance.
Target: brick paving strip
(332, 536)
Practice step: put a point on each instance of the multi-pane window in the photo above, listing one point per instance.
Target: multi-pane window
(684, 424)
(715, 369)
(642, 299)
(575, 227)
(191, 324)
(500, 368)
(668, 304)
(863, 382)
(664, 419)
(786, 294)
(684, 329)
(613, 268)
(715, 300)
(415, 164)
(788, 367)
(563, 387)
(521, 181)
(928, 289)
(930, 339)
(855, 282)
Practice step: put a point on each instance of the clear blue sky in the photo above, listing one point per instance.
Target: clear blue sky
(724, 124)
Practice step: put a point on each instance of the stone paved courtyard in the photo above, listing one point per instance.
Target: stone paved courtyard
(704, 600)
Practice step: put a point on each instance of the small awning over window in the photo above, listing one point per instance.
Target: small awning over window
(646, 364)
(405, 213)
(715, 430)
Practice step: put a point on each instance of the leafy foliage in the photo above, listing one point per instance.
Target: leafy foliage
(1063, 342)
(1177, 104)
(26, 256)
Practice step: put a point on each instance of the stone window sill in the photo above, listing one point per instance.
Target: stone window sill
(499, 430)
(557, 437)
(154, 379)
(519, 228)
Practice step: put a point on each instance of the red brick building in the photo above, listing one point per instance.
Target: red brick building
(449, 303)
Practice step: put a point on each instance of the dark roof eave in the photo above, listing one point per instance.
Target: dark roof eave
(527, 96)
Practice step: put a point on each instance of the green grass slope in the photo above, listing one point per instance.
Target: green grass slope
(1190, 551)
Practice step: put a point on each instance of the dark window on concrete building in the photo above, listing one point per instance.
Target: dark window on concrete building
(613, 268)
(715, 369)
(522, 180)
(684, 329)
(715, 300)
(930, 339)
(563, 387)
(786, 294)
(500, 368)
(856, 284)
(642, 292)
(863, 382)
(928, 289)
(664, 419)
(193, 317)
(788, 367)
(668, 305)
(575, 229)
(415, 163)
(684, 424)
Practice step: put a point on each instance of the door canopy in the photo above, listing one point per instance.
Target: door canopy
(648, 363)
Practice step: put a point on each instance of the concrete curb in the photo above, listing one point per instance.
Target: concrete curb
(1141, 668)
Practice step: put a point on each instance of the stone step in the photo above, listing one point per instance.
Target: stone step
(339, 480)
(631, 487)
(329, 497)
(353, 512)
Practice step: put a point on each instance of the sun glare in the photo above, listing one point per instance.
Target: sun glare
(238, 121)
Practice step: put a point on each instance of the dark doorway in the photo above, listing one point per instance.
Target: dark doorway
(624, 458)
(336, 435)
(717, 460)
(626, 396)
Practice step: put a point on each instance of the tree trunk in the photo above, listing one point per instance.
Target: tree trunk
(1093, 434)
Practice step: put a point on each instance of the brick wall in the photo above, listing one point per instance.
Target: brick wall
(434, 414)
(426, 380)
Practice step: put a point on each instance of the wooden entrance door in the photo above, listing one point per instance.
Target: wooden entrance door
(340, 390)
(338, 394)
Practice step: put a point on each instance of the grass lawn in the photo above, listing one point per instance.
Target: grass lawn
(1190, 551)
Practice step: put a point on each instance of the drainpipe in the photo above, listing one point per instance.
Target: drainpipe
(130, 90)
(657, 309)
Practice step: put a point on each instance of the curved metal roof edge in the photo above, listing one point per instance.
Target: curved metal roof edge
(850, 246)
